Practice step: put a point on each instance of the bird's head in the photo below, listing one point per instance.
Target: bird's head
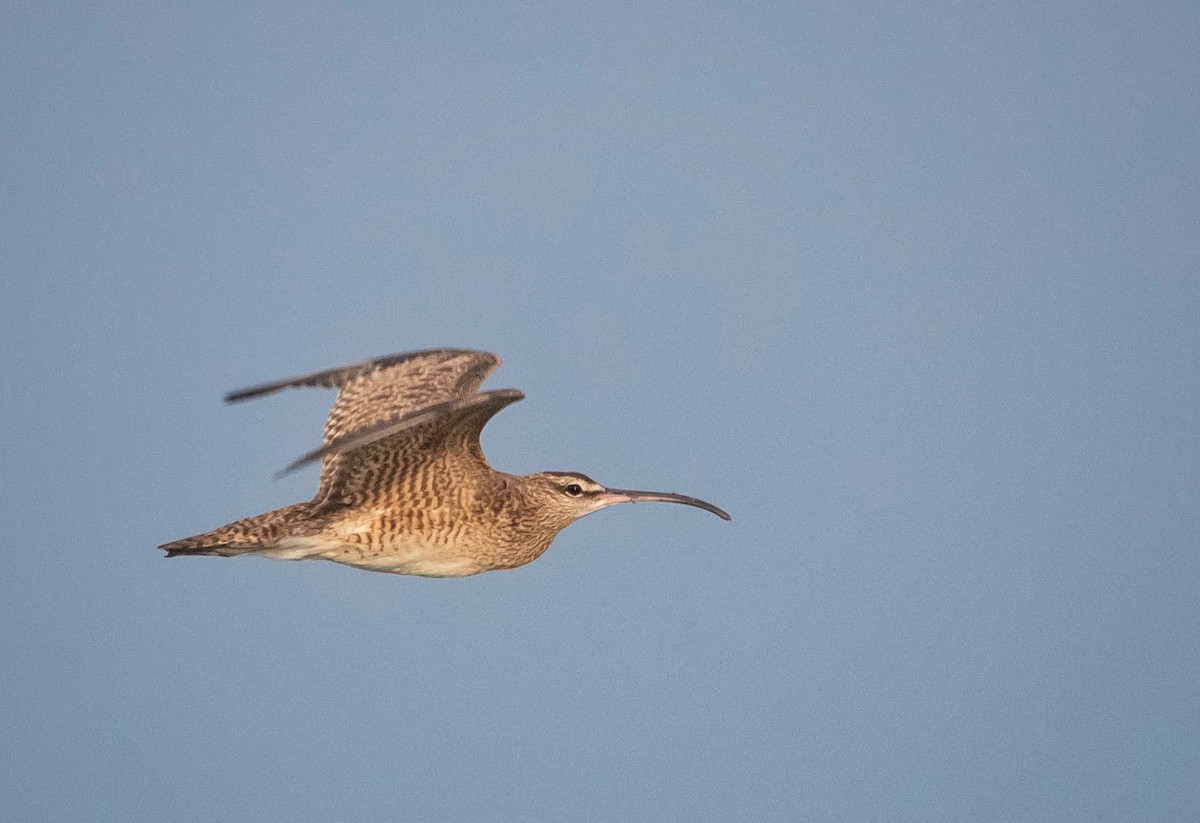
(564, 497)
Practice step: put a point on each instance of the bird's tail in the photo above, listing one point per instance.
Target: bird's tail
(253, 534)
(202, 545)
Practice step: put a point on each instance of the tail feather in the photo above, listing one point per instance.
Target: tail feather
(251, 534)
(247, 535)
(206, 545)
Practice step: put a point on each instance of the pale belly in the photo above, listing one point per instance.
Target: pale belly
(397, 558)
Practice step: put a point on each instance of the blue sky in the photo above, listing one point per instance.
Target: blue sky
(910, 289)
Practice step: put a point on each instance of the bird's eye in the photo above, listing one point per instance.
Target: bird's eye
(574, 490)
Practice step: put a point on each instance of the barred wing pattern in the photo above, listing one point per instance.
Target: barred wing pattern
(377, 421)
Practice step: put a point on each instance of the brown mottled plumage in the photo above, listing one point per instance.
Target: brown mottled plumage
(404, 485)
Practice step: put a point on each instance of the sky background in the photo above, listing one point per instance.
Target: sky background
(911, 289)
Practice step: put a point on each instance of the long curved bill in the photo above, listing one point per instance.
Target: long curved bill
(612, 496)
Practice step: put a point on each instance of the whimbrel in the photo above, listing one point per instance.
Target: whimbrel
(404, 485)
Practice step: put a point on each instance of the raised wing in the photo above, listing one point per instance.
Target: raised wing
(449, 414)
(438, 441)
(414, 378)
(376, 392)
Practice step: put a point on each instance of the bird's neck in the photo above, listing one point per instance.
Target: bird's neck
(527, 530)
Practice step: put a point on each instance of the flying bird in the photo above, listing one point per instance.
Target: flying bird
(404, 485)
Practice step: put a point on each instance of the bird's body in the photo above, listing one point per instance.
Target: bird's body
(404, 484)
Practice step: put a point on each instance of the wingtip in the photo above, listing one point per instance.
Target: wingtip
(294, 466)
